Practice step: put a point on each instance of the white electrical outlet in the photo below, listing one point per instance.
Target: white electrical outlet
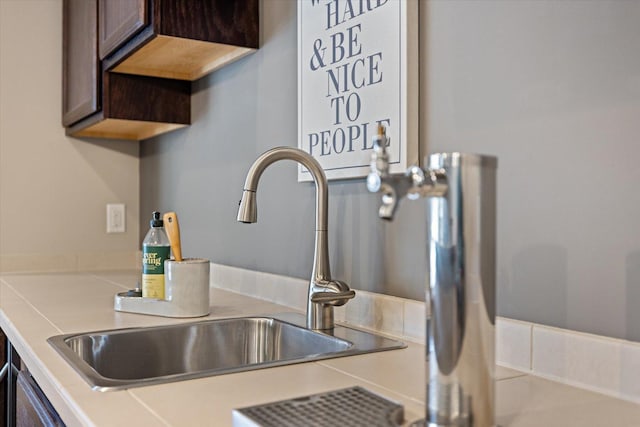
(115, 218)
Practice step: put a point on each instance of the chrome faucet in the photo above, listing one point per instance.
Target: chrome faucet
(324, 293)
(461, 197)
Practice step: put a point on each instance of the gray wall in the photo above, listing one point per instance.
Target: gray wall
(551, 88)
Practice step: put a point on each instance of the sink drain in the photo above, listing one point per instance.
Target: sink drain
(350, 407)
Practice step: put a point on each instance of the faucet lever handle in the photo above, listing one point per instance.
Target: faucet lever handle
(332, 298)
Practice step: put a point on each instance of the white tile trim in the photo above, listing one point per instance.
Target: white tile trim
(602, 364)
(513, 344)
(67, 262)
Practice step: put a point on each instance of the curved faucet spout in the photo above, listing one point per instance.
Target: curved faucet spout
(320, 307)
(247, 211)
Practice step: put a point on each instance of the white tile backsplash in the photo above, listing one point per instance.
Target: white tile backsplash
(585, 360)
(296, 291)
(92, 261)
(89, 261)
(377, 312)
(513, 343)
(234, 279)
(360, 311)
(602, 364)
(415, 320)
(287, 291)
(630, 371)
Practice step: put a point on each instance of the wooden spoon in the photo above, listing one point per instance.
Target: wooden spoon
(173, 232)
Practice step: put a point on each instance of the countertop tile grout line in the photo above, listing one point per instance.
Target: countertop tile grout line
(413, 399)
(147, 407)
(104, 279)
(23, 298)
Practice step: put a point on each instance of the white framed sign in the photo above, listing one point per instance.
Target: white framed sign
(357, 67)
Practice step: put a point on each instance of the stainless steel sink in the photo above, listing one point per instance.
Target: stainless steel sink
(124, 358)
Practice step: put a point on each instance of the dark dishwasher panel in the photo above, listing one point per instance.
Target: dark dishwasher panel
(33, 409)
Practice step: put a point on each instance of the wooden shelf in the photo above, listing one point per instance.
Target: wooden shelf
(134, 130)
(179, 58)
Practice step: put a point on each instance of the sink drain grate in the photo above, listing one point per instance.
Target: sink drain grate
(349, 407)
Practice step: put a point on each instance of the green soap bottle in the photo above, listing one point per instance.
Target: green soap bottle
(155, 249)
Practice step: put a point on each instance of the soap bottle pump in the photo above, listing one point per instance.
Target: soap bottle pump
(155, 250)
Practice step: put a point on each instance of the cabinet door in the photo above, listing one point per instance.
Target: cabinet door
(4, 371)
(80, 96)
(33, 409)
(119, 21)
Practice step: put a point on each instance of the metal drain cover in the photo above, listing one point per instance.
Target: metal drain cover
(349, 407)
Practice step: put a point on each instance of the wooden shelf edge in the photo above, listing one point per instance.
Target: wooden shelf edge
(135, 130)
(180, 58)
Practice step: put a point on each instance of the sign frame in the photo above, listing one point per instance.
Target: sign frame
(357, 67)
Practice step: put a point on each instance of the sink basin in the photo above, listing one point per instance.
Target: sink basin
(124, 358)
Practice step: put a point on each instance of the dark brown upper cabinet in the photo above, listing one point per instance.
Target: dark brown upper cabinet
(80, 79)
(187, 39)
(119, 21)
(137, 108)
(128, 64)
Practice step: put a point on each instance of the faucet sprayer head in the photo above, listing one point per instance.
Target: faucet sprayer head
(247, 208)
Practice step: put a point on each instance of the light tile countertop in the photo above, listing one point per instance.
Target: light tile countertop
(34, 307)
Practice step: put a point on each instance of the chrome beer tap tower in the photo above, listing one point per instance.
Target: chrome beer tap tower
(460, 191)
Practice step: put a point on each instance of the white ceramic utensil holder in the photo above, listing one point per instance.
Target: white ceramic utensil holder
(186, 292)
